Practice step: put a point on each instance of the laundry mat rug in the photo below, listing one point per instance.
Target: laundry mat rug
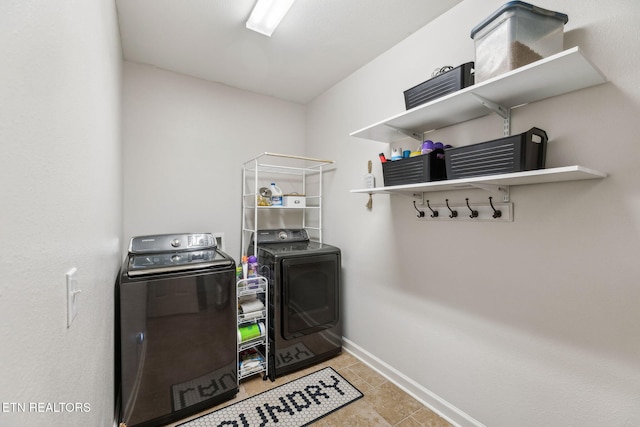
(294, 404)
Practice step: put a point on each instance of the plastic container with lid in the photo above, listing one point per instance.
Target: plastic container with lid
(517, 34)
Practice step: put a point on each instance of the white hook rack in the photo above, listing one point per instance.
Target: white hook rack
(502, 189)
(485, 212)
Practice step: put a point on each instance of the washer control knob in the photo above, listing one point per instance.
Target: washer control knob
(175, 258)
(175, 243)
(282, 235)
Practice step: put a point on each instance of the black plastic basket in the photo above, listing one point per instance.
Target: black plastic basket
(523, 152)
(444, 84)
(424, 168)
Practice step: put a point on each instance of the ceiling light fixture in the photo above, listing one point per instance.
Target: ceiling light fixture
(267, 14)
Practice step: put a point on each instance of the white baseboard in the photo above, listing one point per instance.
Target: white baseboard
(429, 399)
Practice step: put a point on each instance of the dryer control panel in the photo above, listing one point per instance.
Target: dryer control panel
(282, 235)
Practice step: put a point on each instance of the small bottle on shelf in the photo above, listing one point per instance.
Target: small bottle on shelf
(252, 269)
(245, 267)
(276, 195)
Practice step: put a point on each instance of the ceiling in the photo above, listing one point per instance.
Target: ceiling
(318, 43)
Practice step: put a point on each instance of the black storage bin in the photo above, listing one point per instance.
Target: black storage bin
(444, 84)
(423, 168)
(523, 152)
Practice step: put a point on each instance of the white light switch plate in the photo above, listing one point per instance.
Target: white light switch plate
(72, 295)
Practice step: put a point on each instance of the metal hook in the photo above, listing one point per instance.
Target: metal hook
(496, 213)
(420, 213)
(434, 214)
(453, 213)
(474, 213)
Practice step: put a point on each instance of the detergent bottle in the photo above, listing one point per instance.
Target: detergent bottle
(276, 195)
(252, 269)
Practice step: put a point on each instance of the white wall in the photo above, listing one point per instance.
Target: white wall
(185, 141)
(529, 323)
(60, 207)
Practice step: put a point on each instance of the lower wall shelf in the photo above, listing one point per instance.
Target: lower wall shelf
(539, 176)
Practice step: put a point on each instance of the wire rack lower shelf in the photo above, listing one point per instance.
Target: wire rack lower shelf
(252, 316)
(252, 364)
(252, 285)
(244, 345)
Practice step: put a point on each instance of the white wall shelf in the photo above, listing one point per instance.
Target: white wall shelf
(562, 73)
(493, 182)
(285, 207)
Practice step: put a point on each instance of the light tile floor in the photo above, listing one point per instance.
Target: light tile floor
(384, 404)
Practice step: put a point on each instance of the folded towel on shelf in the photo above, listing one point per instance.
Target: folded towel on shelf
(250, 306)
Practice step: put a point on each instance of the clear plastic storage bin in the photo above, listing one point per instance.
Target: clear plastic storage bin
(517, 34)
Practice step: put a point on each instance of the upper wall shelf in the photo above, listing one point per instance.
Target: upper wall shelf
(562, 73)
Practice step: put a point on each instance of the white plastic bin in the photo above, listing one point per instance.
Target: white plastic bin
(517, 34)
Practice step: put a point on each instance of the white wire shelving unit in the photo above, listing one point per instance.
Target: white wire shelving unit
(304, 174)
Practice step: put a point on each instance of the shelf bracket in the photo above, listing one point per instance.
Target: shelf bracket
(500, 110)
(408, 132)
(504, 189)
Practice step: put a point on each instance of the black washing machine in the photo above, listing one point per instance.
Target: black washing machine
(304, 326)
(175, 329)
